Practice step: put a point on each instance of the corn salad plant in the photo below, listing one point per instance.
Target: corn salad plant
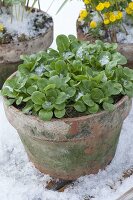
(78, 79)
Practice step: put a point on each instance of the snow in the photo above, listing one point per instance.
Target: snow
(22, 22)
(104, 60)
(122, 37)
(19, 180)
(39, 70)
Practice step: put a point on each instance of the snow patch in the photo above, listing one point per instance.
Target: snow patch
(104, 60)
(22, 22)
(19, 180)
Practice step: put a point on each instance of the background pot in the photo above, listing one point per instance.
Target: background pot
(123, 48)
(10, 53)
(71, 147)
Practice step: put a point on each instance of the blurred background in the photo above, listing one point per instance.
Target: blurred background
(65, 20)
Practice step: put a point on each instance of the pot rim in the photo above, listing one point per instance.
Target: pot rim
(69, 119)
(32, 39)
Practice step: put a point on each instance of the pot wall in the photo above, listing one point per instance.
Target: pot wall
(71, 147)
(10, 53)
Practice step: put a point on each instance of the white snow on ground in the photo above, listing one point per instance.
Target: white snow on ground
(19, 180)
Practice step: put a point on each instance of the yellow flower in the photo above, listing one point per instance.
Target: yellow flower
(100, 7)
(107, 4)
(130, 5)
(129, 11)
(1, 27)
(106, 21)
(112, 17)
(83, 14)
(119, 15)
(87, 1)
(93, 24)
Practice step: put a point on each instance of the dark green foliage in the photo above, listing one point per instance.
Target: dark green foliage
(81, 76)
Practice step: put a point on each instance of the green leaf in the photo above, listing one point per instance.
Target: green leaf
(70, 91)
(129, 92)
(80, 106)
(128, 72)
(38, 97)
(42, 83)
(60, 66)
(121, 60)
(101, 77)
(31, 89)
(111, 65)
(87, 100)
(59, 113)
(56, 80)
(28, 107)
(45, 115)
(19, 100)
(26, 99)
(97, 94)
(128, 85)
(47, 105)
(116, 89)
(9, 102)
(50, 86)
(94, 109)
(9, 92)
(76, 66)
(51, 95)
(61, 98)
(108, 106)
(72, 38)
(25, 68)
(53, 53)
(62, 42)
(60, 106)
(37, 107)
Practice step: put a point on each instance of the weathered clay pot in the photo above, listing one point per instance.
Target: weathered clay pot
(70, 147)
(10, 53)
(125, 49)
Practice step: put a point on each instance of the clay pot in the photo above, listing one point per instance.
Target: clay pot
(125, 49)
(70, 147)
(10, 53)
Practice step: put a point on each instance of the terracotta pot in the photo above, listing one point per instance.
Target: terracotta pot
(125, 49)
(70, 147)
(10, 53)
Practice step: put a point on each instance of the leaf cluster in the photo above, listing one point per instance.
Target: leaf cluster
(79, 75)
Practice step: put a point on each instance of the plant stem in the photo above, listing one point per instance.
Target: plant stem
(27, 4)
(33, 5)
(50, 5)
(23, 13)
(39, 5)
(124, 29)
